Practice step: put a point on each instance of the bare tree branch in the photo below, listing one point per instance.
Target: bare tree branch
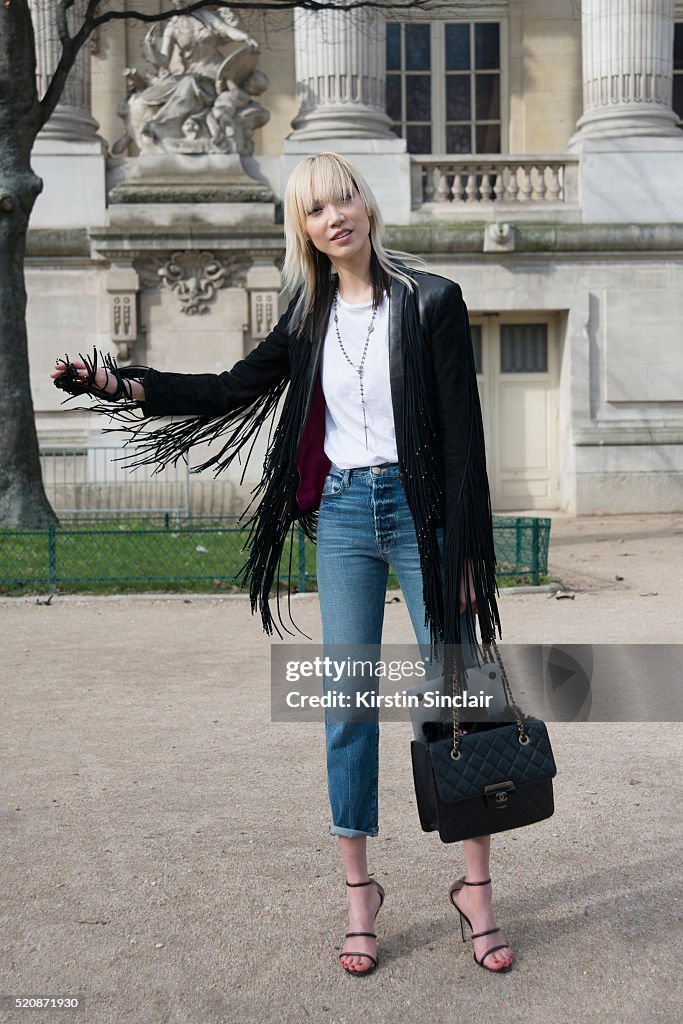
(72, 44)
(70, 47)
(277, 5)
(62, 24)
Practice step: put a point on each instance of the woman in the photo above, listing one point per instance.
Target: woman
(378, 451)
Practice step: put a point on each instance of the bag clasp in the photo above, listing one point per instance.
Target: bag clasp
(497, 794)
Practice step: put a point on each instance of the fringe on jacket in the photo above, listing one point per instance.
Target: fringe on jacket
(461, 505)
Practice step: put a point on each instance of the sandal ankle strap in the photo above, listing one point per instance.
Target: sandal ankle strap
(355, 885)
(486, 882)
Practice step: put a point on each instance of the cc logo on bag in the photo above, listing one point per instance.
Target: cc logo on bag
(501, 799)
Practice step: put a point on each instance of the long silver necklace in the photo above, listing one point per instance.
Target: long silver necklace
(361, 366)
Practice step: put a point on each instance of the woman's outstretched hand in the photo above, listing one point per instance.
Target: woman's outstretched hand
(75, 376)
(102, 381)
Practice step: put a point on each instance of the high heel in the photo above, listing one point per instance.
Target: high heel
(374, 962)
(455, 888)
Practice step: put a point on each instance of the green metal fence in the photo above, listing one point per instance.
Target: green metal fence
(171, 552)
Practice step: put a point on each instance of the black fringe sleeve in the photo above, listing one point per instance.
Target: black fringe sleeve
(468, 540)
(228, 408)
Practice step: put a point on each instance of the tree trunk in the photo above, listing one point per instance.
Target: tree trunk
(22, 497)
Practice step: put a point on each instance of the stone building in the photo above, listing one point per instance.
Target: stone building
(529, 149)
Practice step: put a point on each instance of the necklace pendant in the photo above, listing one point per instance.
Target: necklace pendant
(361, 366)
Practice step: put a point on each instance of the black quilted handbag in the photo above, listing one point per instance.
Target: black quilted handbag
(497, 776)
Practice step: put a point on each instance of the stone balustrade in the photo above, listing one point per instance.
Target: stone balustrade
(473, 182)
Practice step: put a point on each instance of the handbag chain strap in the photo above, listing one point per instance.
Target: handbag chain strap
(491, 655)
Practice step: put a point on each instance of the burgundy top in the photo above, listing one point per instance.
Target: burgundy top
(311, 461)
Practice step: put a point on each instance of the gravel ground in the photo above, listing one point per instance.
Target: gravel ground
(143, 873)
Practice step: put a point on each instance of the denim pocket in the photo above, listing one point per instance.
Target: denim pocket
(334, 483)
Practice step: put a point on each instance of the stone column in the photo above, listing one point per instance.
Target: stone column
(340, 70)
(627, 69)
(68, 154)
(72, 120)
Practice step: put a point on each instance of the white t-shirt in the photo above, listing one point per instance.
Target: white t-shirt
(345, 443)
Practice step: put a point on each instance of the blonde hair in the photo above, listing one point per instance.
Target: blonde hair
(320, 179)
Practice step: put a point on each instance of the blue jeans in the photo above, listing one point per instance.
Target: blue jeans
(364, 525)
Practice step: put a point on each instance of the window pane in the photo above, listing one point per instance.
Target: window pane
(475, 330)
(487, 93)
(419, 138)
(458, 138)
(488, 138)
(677, 103)
(418, 98)
(417, 47)
(397, 129)
(678, 46)
(393, 97)
(393, 47)
(486, 45)
(523, 348)
(458, 98)
(458, 47)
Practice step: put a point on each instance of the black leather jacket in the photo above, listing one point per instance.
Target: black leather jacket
(439, 438)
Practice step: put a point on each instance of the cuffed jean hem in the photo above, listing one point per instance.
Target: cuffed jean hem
(350, 833)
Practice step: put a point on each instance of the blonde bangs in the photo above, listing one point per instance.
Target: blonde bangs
(323, 181)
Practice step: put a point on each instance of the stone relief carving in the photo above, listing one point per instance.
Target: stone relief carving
(122, 316)
(195, 277)
(263, 312)
(123, 284)
(197, 100)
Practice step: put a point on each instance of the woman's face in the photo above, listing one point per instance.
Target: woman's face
(340, 228)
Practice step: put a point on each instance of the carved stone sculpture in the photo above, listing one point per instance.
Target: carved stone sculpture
(198, 100)
(195, 277)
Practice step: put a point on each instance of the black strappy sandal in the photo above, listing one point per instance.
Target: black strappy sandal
(370, 935)
(503, 945)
